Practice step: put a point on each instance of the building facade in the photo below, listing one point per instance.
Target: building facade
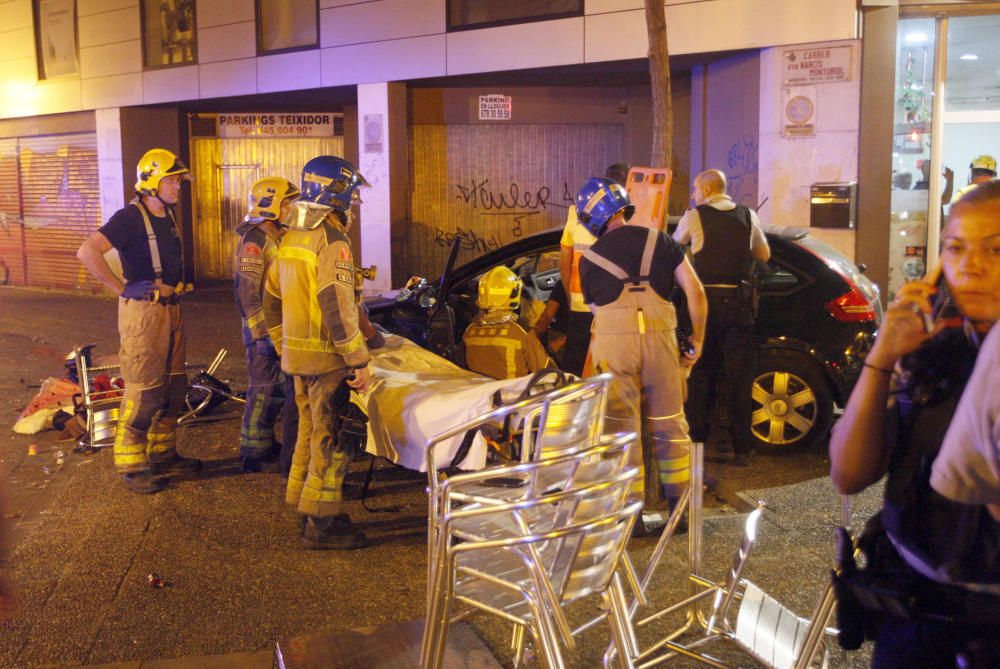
(472, 119)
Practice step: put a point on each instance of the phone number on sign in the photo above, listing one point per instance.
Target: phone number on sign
(277, 130)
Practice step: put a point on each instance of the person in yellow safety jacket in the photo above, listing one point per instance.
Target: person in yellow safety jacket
(627, 276)
(982, 169)
(271, 201)
(152, 351)
(496, 344)
(312, 317)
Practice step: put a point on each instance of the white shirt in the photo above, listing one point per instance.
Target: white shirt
(967, 468)
(689, 230)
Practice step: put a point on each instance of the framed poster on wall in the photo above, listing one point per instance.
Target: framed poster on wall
(168, 33)
(287, 25)
(55, 38)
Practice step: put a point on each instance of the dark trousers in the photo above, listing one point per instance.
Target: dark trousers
(265, 397)
(719, 386)
(921, 644)
(577, 341)
(289, 425)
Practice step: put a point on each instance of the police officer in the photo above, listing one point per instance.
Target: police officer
(270, 204)
(725, 238)
(495, 343)
(312, 317)
(149, 321)
(627, 276)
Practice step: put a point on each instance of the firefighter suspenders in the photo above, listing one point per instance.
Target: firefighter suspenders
(639, 282)
(154, 246)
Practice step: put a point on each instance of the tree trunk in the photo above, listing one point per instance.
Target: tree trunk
(659, 77)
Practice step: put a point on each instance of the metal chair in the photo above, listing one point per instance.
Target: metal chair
(526, 574)
(764, 628)
(102, 406)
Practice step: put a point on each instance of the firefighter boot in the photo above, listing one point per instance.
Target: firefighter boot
(268, 463)
(143, 483)
(175, 463)
(332, 533)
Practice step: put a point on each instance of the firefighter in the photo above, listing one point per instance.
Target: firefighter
(312, 317)
(982, 169)
(495, 343)
(152, 351)
(626, 277)
(271, 201)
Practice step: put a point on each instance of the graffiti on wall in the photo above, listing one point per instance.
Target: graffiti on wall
(742, 161)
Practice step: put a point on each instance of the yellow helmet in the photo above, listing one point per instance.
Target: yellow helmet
(267, 195)
(984, 162)
(153, 166)
(499, 289)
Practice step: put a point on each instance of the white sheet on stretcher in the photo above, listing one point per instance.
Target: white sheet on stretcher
(417, 394)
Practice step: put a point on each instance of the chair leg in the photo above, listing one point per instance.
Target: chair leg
(546, 640)
(517, 645)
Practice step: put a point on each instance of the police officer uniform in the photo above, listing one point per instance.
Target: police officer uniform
(256, 249)
(722, 235)
(312, 317)
(152, 341)
(627, 276)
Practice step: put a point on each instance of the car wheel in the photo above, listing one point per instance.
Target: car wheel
(792, 406)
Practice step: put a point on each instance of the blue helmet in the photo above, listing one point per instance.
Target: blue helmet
(598, 201)
(330, 181)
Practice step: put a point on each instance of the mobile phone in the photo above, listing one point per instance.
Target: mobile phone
(942, 306)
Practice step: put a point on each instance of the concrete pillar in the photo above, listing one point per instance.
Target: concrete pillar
(382, 159)
(110, 170)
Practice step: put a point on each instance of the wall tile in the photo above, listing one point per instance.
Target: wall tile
(118, 91)
(220, 12)
(169, 84)
(18, 44)
(16, 15)
(90, 7)
(325, 4)
(516, 47)
(231, 77)
(116, 26)
(604, 6)
(288, 71)
(237, 40)
(59, 95)
(413, 58)
(110, 59)
(375, 21)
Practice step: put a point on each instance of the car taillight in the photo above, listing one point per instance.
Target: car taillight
(851, 307)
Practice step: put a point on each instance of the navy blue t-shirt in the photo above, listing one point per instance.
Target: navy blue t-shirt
(624, 246)
(127, 233)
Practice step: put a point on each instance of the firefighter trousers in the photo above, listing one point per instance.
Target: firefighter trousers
(151, 356)
(635, 339)
(319, 463)
(265, 398)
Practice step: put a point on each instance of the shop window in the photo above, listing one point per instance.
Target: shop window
(168, 33)
(469, 14)
(287, 25)
(55, 38)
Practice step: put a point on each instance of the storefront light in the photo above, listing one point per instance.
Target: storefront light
(968, 56)
(915, 38)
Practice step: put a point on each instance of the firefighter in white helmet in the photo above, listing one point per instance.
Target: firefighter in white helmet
(495, 343)
(152, 352)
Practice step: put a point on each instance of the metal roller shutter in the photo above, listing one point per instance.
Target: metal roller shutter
(491, 184)
(224, 170)
(60, 194)
(11, 228)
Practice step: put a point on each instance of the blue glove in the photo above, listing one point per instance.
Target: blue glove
(139, 290)
(265, 348)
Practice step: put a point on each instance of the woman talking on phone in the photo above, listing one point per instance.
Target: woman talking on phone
(941, 558)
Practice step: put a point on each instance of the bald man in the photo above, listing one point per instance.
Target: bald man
(725, 238)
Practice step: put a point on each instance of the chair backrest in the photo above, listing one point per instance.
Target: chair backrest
(768, 630)
(566, 420)
(102, 405)
(725, 596)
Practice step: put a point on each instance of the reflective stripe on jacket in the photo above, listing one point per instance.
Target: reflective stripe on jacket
(309, 302)
(253, 256)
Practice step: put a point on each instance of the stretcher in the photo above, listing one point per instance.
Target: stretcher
(416, 394)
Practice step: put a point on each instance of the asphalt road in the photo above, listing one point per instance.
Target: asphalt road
(227, 546)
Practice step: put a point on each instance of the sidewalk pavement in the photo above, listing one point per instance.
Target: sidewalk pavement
(228, 547)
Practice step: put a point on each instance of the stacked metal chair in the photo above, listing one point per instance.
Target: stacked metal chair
(102, 406)
(526, 573)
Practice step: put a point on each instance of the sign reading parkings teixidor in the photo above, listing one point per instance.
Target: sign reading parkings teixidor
(820, 65)
(494, 107)
(279, 124)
